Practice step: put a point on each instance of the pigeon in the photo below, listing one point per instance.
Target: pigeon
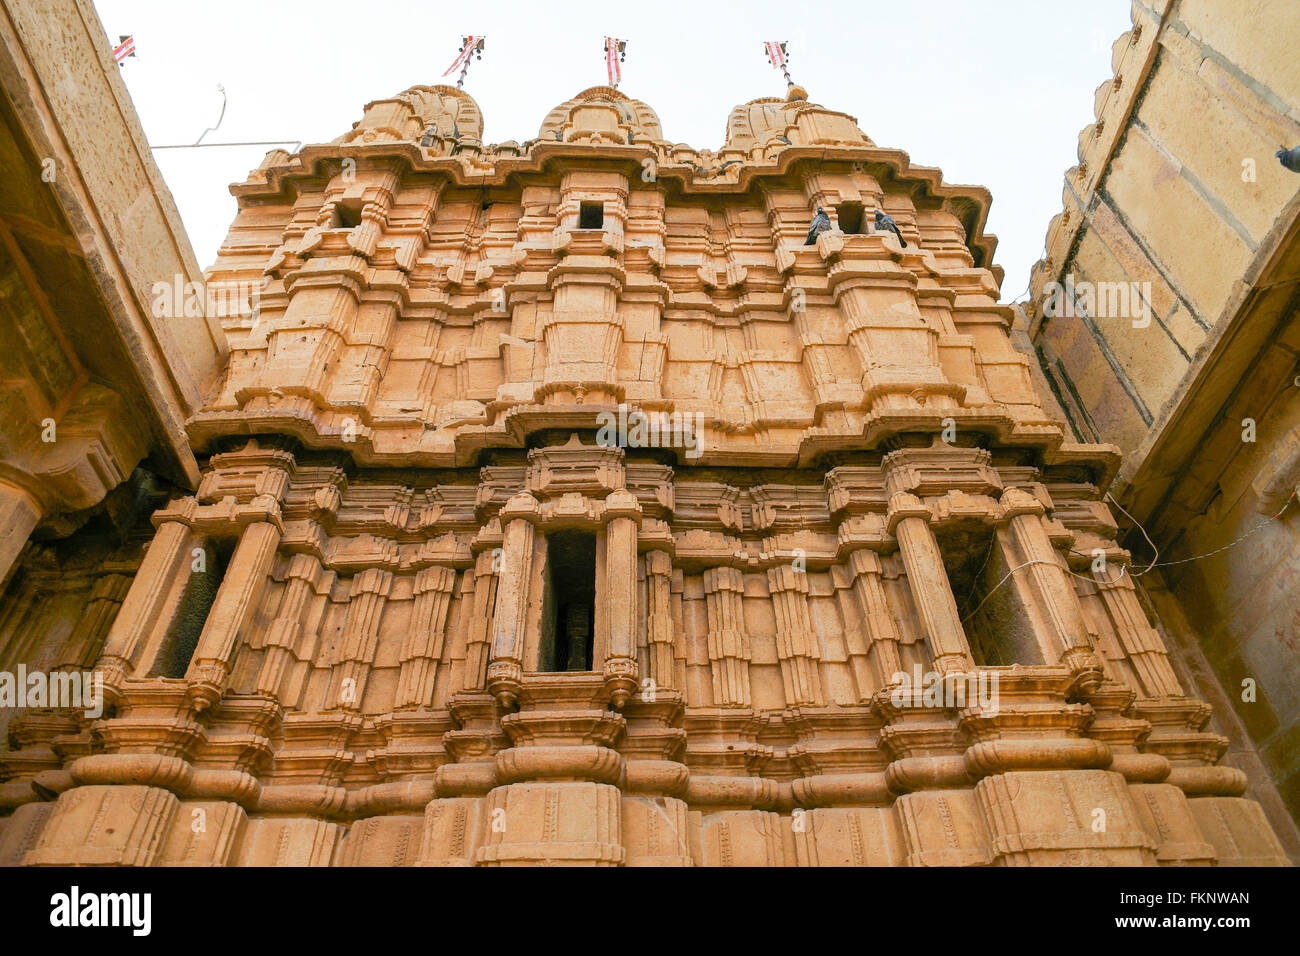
(1290, 158)
(885, 221)
(821, 223)
(429, 134)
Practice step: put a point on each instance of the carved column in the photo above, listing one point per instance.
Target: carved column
(1141, 642)
(166, 559)
(422, 648)
(356, 649)
(620, 670)
(796, 644)
(20, 512)
(727, 639)
(659, 617)
(235, 604)
(877, 619)
(1062, 634)
(478, 642)
(505, 669)
(83, 645)
(285, 633)
(909, 522)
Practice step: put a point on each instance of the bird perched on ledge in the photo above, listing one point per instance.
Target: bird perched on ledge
(821, 223)
(885, 221)
(1290, 158)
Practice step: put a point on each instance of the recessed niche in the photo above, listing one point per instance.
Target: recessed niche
(591, 215)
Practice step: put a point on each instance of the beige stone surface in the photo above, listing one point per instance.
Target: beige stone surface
(1177, 190)
(424, 609)
(94, 377)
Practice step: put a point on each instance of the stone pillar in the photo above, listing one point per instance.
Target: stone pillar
(1059, 628)
(478, 642)
(1145, 650)
(727, 639)
(166, 559)
(233, 609)
(422, 647)
(909, 522)
(796, 644)
(620, 593)
(505, 669)
(659, 617)
(19, 515)
(356, 649)
(882, 638)
(285, 633)
(82, 648)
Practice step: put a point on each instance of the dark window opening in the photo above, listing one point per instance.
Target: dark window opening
(998, 625)
(196, 601)
(850, 217)
(347, 215)
(569, 609)
(591, 215)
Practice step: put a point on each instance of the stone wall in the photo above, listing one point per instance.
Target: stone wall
(94, 379)
(1177, 196)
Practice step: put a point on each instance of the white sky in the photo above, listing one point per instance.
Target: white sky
(993, 93)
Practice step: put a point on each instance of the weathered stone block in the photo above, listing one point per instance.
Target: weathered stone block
(272, 841)
(576, 824)
(203, 833)
(105, 826)
(867, 836)
(382, 841)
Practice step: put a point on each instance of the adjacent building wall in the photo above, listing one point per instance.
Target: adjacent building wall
(94, 378)
(1177, 191)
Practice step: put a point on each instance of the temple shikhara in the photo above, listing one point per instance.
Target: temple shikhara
(837, 586)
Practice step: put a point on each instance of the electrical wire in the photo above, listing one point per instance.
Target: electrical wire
(1123, 568)
(1207, 554)
(1006, 577)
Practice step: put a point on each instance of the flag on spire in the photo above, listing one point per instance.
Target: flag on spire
(615, 53)
(779, 56)
(125, 47)
(468, 47)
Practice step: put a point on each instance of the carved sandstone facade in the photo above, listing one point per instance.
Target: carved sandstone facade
(421, 610)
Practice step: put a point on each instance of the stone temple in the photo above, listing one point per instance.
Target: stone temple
(564, 503)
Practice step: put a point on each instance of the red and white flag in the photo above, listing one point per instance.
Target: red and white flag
(776, 52)
(614, 48)
(463, 56)
(125, 47)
